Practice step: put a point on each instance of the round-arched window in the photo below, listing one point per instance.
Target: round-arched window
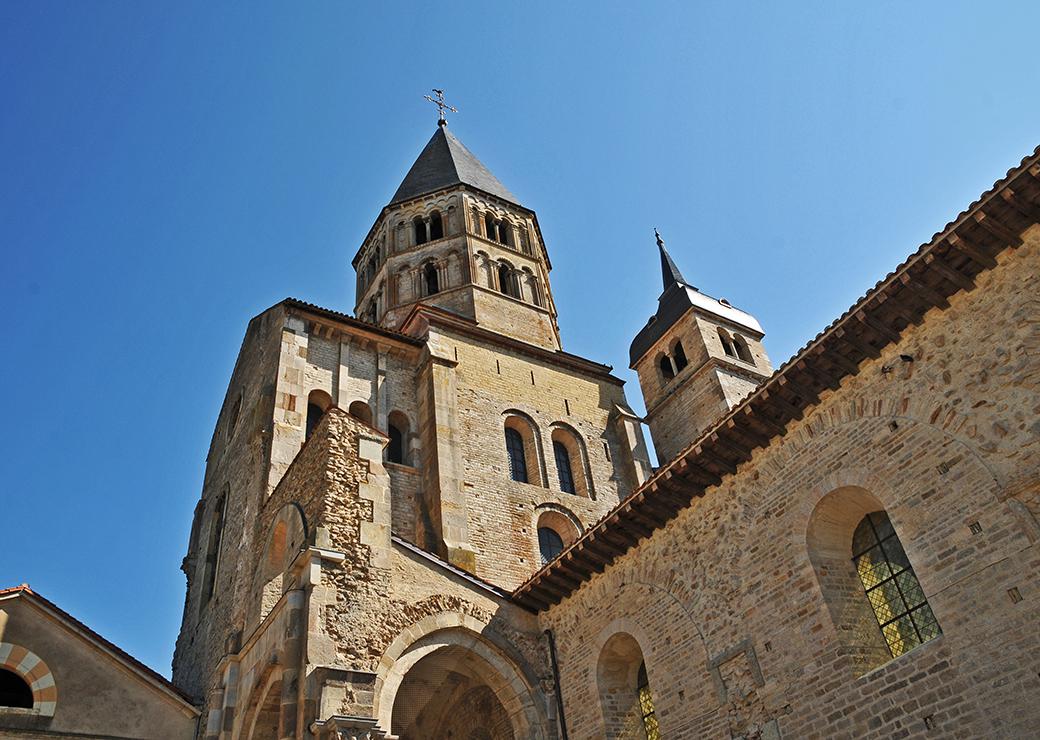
(14, 691)
(550, 544)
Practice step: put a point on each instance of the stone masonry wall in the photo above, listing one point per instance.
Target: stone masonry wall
(727, 607)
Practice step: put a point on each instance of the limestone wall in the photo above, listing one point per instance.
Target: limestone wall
(727, 606)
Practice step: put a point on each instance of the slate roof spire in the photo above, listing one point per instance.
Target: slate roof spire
(669, 271)
(444, 162)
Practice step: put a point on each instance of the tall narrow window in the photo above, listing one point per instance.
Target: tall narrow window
(666, 367)
(436, 226)
(892, 588)
(420, 230)
(743, 350)
(489, 227)
(563, 467)
(550, 544)
(646, 706)
(395, 448)
(504, 236)
(727, 344)
(507, 281)
(517, 460)
(430, 278)
(314, 414)
(679, 356)
(216, 536)
(14, 691)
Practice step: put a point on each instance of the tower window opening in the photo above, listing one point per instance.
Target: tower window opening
(743, 350)
(666, 367)
(420, 230)
(646, 705)
(679, 356)
(550, 544)
(436, 226)
(892, 588)
(14, 691)
(489, 226)
(397, 430)
(318, 402)
(563, 467)
(430, 278)
(503, 233)
(507, 281)
(727, 344)
(216, 536)
(517, 458)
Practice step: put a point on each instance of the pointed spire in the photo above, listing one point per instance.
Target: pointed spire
(670, 274)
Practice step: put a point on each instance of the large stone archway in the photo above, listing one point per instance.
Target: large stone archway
(452, 683)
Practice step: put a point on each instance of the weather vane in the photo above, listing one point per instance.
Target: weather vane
(441, 106)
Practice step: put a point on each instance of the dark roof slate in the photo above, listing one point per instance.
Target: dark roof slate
(444, 162)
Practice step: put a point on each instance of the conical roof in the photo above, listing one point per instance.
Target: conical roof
(669, 270)
(444, 162)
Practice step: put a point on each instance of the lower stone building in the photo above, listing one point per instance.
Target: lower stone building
(435, 523)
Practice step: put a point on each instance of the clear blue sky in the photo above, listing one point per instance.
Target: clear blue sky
(168, 170)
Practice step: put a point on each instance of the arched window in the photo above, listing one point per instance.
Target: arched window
(436, 226)
(420, 230)
(892, 588)
(507, 280)
(525, 242)
(742, 349)
(489, 226)
(563, 466)
(679, 356)
(14, 691)
(550, 544)
(517, 458)
(360, 411)
(318, 402)
(233, 417)
(665, 364)
(397, 428)
(504, 235)
(430, 278)
(216, 536)
(727, 344)
(646, 705)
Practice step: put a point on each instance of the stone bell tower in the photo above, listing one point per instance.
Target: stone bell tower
(697, 358)
(454, 237)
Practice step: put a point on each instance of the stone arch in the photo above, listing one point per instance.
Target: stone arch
(485, 270)
(678, 355)
(507, 678)
(620, 656)
(742, 348)
(263, 716)
(286, 536)
(565, 435)
(559, 521)
(399, 430)
(31, 668)
(508, 282)
(532, 443)
(361, 411)
(318, 402)
(664, 364)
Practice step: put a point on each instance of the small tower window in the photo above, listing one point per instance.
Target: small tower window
(489, 226)
(892, 587)
(504, 228)
(679, 356)
(436, 226)
(517, 459)
(216, 536)
(507, 281)
(14, 691)
(666, 367)
(420, 230)
(646, 705)
(563, 467)
(397, 427)
(550, 544)
(430, 278)
(743, 350)
(727, 344)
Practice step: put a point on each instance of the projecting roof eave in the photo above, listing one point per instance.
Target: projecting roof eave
(946, 265)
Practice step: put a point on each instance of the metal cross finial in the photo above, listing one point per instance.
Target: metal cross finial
(660, 241)
(441, 106)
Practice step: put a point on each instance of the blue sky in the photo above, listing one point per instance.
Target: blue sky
(171, 169)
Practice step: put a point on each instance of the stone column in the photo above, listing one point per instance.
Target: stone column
(380, 411)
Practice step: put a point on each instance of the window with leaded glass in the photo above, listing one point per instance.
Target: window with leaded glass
(517, 460)
(550, 544)
(646, 706)
(892, 588)
(563, 466)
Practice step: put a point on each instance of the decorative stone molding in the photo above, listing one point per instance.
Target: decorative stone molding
(34, 672)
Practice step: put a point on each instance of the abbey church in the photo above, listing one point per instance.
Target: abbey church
(429, 520)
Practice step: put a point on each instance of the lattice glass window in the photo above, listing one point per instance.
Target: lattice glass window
(563, 466)
(550, 544)
(646, 706)
(517, 460)
(892, 588)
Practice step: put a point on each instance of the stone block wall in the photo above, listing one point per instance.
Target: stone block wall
(741, 631)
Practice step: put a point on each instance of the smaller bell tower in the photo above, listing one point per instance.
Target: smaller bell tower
(697, 358)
